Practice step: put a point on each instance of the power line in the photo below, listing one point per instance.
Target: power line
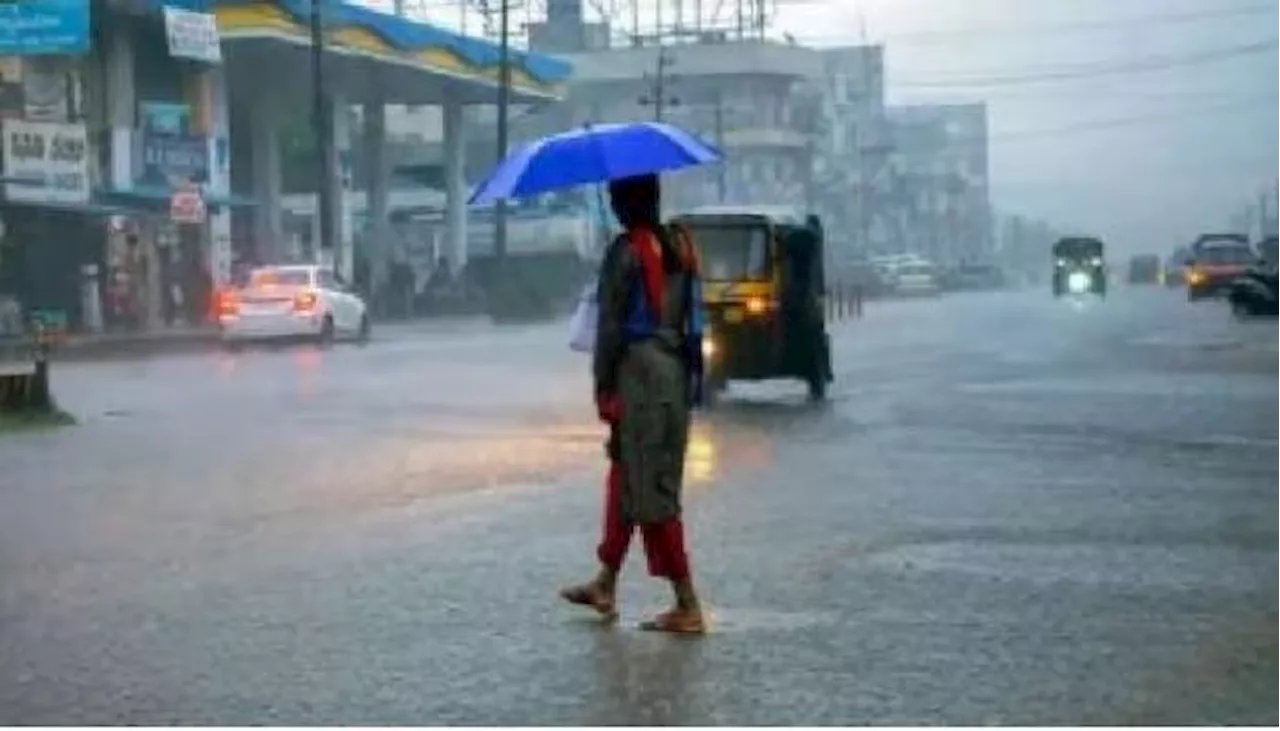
(1090, 71)
(1171, 115)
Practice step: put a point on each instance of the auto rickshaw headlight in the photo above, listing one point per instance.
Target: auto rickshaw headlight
(1078, 282)
(757, 306)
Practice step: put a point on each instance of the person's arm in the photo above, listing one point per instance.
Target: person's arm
(614, 286)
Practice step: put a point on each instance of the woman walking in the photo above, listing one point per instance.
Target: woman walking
(647, 368)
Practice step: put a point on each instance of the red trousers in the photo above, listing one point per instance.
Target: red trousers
(663, 542)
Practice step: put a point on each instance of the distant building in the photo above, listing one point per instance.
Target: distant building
(851, 147)
(940, 198)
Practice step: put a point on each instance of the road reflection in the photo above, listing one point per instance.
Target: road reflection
(647, 680)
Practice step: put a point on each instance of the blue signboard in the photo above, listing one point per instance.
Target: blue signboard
(43, 27)
(173, 159)
(165, 118)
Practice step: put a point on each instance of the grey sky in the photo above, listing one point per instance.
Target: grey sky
(1206, 141)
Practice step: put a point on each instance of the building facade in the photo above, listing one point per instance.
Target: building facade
(850, 164)
(939, 203)
(105, 117)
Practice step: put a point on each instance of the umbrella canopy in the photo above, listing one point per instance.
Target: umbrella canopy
(595, 153)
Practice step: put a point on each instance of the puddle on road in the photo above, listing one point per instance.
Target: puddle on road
(1228, 385)
(1193, 567)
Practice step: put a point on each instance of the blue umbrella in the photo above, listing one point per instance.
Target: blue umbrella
(595, 153)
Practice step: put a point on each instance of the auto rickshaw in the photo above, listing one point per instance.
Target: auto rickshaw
(763, 293)
(1079, 267)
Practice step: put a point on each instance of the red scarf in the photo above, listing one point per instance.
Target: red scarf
(648, 251)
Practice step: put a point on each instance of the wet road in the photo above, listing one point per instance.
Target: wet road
(1012, 511)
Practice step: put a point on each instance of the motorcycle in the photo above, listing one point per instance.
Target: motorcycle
(1254, 294)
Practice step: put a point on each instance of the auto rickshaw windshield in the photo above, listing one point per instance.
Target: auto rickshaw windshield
(732, 252)
(1077, 249)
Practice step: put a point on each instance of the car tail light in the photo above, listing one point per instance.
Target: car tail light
(305, 302)
(228, 305)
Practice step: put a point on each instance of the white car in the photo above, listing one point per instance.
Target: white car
(281, 302)
(916, 279)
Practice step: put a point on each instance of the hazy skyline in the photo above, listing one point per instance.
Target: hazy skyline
(1144, 159)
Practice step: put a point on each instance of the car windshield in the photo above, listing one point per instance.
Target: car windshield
(1226, 254)
(730, 253)
(275, 277)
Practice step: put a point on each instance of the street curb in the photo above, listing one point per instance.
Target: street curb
(135, 347)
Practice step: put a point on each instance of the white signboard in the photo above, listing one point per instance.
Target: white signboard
(46, 162)
(192, 35)
(187, 206)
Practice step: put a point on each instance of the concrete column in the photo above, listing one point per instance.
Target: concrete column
(268, 224)
(455, 150)
(340, 168)
(122, 104)
(219, 140)
(376, 186)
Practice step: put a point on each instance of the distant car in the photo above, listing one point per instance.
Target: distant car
(916, 279)
(1144, 269)
(292, 302)
(1215, 261)
(1175, 267)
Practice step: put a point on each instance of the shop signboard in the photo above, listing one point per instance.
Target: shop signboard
(44, 27)
(192, 35)
(187, 206)
(164, 118)
(46, 162)
(173, 159)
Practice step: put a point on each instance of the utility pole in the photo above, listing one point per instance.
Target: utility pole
(721, 169)
(1264, 215)
(322, 122)
(504, 104)
(658, 94)
(1275, 229)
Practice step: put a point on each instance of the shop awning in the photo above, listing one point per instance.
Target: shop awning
(155, 197)
(91, 208)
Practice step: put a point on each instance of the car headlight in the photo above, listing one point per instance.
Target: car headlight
(1061, 262)
(1096, 261)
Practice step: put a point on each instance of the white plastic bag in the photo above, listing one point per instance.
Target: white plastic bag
(582, 325)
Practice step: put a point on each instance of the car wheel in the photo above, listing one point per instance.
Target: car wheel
(366, 329)
(817, 388)
(326, 331)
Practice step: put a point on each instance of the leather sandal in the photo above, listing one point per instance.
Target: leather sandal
(677, 621)
(592, 596)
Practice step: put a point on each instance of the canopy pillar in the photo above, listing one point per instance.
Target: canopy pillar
(268, 224)
(377, 234)
(455, 162)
